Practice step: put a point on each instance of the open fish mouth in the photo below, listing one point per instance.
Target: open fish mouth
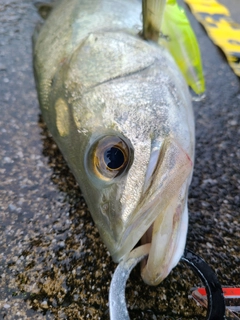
(167, 237)
(161, 218)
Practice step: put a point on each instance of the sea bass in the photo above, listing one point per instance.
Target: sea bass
(120, 111)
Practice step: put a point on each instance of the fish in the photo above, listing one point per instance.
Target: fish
(120, 111)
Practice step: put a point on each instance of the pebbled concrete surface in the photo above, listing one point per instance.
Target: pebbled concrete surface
(233, 7)
(53, 264)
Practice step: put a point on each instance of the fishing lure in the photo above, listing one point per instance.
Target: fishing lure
(179, 38)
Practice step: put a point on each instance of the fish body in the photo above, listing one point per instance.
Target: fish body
(120, 111)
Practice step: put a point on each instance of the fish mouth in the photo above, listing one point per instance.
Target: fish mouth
(167, 238)
(161, 217)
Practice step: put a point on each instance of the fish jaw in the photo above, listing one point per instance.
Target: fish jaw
(161, 216)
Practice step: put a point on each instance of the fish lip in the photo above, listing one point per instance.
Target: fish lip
(155, 270)
(171, 254)
(123, 249)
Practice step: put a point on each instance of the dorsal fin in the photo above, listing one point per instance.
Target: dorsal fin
(44, 8)
(152, 18)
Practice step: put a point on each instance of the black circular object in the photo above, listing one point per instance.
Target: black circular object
(117, 300)
(216, 302)
(114, 158)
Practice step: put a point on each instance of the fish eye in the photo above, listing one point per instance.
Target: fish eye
(110, 157)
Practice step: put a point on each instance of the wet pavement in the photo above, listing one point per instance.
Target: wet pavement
(53, 264)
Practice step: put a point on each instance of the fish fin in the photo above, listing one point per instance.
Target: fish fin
(44, 8)
(179, 38)
(152, 11)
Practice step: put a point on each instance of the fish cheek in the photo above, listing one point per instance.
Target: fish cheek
(111, 208)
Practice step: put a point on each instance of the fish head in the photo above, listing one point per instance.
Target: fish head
(129, 142)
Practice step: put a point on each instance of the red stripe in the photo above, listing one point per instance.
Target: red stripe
(227, 292)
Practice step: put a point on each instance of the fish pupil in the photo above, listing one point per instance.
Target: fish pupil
(114, 158)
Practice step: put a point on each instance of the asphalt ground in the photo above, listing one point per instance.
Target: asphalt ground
(53, 264)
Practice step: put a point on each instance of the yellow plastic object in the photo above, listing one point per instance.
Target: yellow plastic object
(223, 31)
(179, 38)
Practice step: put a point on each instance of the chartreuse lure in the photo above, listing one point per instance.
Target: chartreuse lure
(178, 37)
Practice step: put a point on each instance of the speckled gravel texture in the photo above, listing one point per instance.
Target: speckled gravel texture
(53, 264)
